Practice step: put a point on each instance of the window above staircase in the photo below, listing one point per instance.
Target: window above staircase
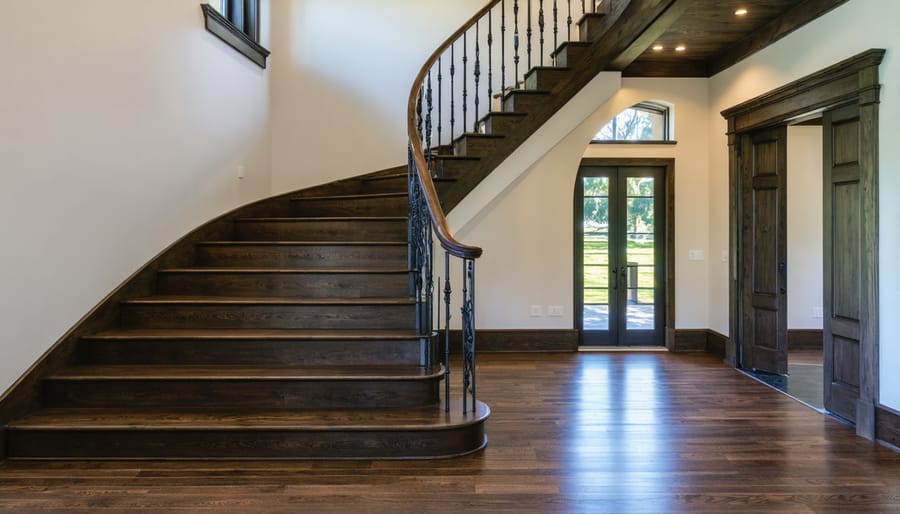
(236, 22)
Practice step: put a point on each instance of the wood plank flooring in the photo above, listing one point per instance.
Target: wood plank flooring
(598, 432)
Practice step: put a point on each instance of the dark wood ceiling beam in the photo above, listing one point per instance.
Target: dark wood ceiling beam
(799, 15)
(650, 34)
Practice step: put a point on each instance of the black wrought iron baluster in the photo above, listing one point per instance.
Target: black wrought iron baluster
(440, 123)
(429, 103)
(452, 91)
(468, 332)
(528, 37)
(516, 43)
(490, 43)
(555, 30)
(541, 29)
(477, 71)
(419, 119)
(569, 21)
(465, 79)
(502, 47)
(447, 292)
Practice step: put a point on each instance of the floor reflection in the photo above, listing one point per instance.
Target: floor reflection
(614, 436)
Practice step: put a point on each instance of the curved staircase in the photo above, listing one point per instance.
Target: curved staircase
(295, 337)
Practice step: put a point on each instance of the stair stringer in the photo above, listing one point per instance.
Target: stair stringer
(591, 106)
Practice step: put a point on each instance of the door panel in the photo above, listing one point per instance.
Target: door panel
(619, 222)
(843, 236)
(764, 239)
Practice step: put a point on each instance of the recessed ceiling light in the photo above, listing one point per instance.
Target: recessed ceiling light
(680, 48)
(740, 12)
(657, 47)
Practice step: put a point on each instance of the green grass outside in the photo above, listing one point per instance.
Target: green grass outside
(596, 268)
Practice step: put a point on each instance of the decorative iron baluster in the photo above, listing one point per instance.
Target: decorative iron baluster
(477, 71)
(447, 292)
(465, 79)
(555, 30)
(430, 108)
(440, 123)
(528, 37)
(419, 113)
(503, 47)
(541, 28)
(516, 42)
(490, 43)
(468, 332)
(452, 91)
(569, 21)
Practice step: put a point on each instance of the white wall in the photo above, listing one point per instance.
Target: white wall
(527, 232)
(804, 227)
(341, 78)
(121, 127)
(850, 29)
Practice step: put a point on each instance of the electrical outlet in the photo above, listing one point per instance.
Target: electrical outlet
(696, 255)
(537, 311)
(817, 312)
(724, 255)
(240, 172)
(555, 310)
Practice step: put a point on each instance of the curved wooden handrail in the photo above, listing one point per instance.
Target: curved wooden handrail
(438, 218)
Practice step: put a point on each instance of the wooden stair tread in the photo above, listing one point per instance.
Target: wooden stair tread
(427, 418)
(324, 218)
(303, 243)
(245, 373)
(360, 196)
(312, 271)
(264, 300)
(250, 334)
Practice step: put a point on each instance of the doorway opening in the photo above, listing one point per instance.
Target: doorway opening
(623, 239)
(846, 95)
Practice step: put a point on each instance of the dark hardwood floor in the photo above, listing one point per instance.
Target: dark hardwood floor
(593, 432)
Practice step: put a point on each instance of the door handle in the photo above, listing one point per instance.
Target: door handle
(615, 280)
(782, 290)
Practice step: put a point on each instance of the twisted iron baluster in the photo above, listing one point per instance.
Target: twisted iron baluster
(541, 28)
(468, 332)
(528, 37)
(477, 71)
(502, 47)
(490, 43)
(516, 42)
(452, 91)
(465, 77)
(447, 292)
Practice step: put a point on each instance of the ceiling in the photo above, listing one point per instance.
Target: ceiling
(714, 37)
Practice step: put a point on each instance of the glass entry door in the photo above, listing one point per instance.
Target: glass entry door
(619, 256)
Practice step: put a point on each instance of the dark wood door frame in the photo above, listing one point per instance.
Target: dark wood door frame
(854, 80)
(669, 229)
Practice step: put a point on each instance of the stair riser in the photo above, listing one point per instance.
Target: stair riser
(312, 230)
(243, 444)
(523, 102)
(384, 185)
(385, 206)
(453, 168)
(306, 285)
(498, 124)
(270, 316)
(253, 353)
(239, 394)
(545, 80)
(287, 256)
(570, 54)
(590, 27)
(475, 146)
